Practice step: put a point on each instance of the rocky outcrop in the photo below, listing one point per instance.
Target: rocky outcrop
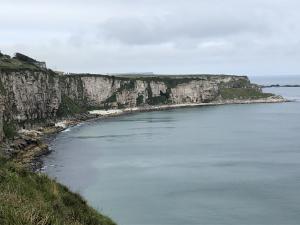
(33, 97)
(30, 97)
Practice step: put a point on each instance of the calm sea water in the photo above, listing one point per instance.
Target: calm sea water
(233, 164)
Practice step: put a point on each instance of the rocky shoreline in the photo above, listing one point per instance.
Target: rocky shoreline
(30, 145)
(278, 85)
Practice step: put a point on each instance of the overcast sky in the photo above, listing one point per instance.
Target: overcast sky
(252, 37)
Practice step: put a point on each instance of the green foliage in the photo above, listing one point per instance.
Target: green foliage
(127, 86)
(241, 83)
(69, 107)
(157, 100)
(19, 62)
(9, 130)
(51, 79)
(112, 98)
(172, 83)
(28, 198)
(24, 58)
(108, 102)
(140, 100)
(237, 83)
(15, 64)
(80, 87)
(2, 89)
(163, 98)
(122, 106)
(242, 93)
(149, 90)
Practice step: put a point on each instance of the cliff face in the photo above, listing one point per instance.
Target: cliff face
(1, 117)
(121, 92)
(29, 96)
(36, 97)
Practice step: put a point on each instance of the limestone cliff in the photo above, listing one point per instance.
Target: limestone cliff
(35, 95)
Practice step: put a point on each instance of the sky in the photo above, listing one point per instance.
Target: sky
(242, 37)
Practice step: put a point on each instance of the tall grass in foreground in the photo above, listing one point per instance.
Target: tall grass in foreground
(28, 198)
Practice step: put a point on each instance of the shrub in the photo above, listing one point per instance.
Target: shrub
(140, 100)
(69, 107)
(112, 98)
(9, 130)
(24, 58)
(127, 86)
(163, 98)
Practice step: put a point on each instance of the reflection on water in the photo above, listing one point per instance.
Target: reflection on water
(111, 136)
(234, 164)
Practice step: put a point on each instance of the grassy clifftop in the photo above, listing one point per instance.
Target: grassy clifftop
(243, 93)
(19, 62)
(28, 198)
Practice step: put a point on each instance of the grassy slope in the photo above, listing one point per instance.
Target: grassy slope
(28, 198)
(243, 93)
(12, 64)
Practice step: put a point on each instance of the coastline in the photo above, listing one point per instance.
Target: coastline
(29, 148)
(114, 112)
(103, 114)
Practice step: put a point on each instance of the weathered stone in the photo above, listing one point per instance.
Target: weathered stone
(40, 97)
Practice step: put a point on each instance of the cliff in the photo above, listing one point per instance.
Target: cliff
(33, 95)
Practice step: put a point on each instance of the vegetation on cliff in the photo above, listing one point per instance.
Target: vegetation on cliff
(28, 198)
(20, 62)
(9, 130)
(243, 93)
(140, 100)
(69, 107)
(163, 98)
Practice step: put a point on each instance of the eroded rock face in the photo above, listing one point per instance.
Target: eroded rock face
(98, 89)
(1, 117)
(36, 97)
(194, 92)
(30, 96)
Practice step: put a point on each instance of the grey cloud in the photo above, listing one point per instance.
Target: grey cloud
(209, 36)
(171, 28)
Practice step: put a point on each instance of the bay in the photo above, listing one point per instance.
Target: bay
(231, 164)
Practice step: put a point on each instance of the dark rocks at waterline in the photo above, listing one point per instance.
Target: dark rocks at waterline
(278, 85)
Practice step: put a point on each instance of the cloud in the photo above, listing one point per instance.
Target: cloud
(190, 24)
(209, 36)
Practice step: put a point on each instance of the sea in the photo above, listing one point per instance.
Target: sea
(229, 164)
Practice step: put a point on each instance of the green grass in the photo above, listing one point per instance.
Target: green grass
(9, 130)
(7, 63)
(69, 107)
(170, 82)
(28, 198)
(242, 93)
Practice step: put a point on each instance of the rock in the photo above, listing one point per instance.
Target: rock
(35, 98)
